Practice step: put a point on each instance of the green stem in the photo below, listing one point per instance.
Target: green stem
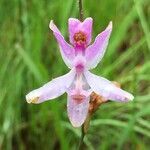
(82, 138)
(84, 130)
(80, 10)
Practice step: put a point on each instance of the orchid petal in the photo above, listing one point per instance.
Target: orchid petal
(75, 26)
(67, 51)
(107, 89)
(95, 52)
(77, 112)
(52, 89)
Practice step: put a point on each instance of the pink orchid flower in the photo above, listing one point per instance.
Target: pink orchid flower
(79, 83)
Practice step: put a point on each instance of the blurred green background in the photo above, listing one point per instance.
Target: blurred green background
(29, 57)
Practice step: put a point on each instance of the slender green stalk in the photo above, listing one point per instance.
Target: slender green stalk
(82, 138)
(80, 10)
(84, 130)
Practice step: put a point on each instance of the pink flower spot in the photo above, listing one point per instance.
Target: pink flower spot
(78, 98)
(79, 68)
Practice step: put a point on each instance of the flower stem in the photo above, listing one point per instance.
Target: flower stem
(81, 139)
(84, 130)
(80, 10)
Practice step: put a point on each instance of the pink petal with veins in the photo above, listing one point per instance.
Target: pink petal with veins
(95, 52)
(106, 88)
(52, 89)
(67, 51)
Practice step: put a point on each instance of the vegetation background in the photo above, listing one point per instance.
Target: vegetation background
(29, 57)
